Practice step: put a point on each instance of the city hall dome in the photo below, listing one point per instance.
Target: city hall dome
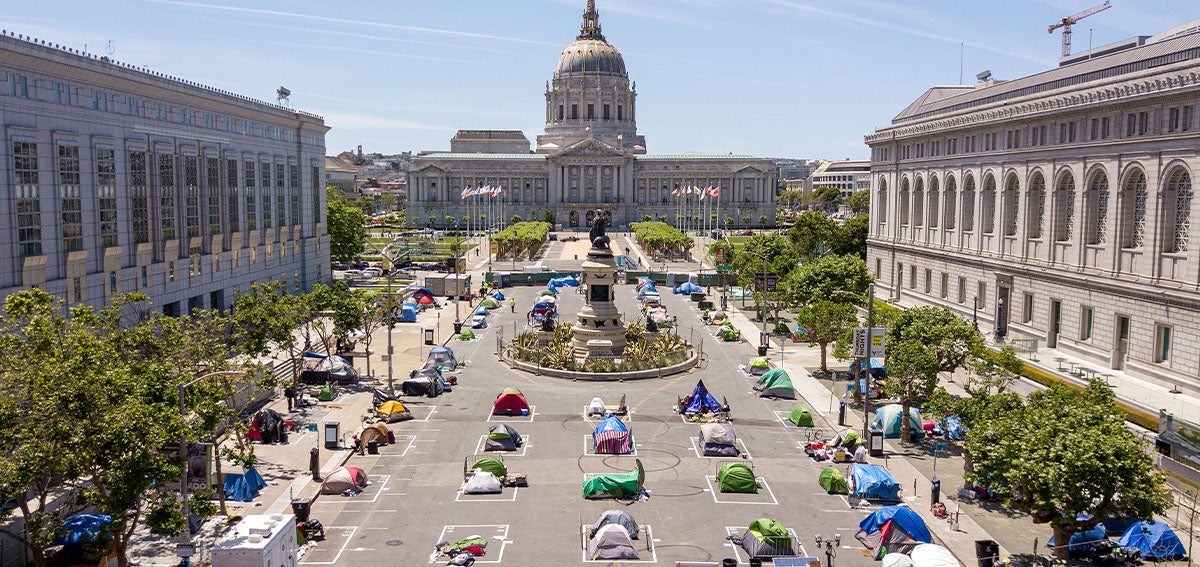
(590, 53)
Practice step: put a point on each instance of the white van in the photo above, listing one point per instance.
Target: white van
(535, 269)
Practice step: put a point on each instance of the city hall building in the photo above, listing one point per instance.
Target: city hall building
(1056, 206)
(589, 158)
(119, 179)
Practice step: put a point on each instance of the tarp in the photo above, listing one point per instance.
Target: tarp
(878, 370)
(479, 321)
(798, 333)
(619, 485)
(481, 311)
(408, 313)
(502, 437)
(242, 487)
(904, 516)
(954, 428)
(482, 482)
(833, 481)
(932, 555)
(717, 433)
(617, 517)
(342, 479)
(1082, 542)
(898, 560)
(887, 418)
(556, 284)
(645, 284)
(776, 384)
(83, 528)
(612, 437)
(497, 296)
(701, 401)
(767, 538)
(510, 402)
(492, 465)
(392, 411)
(872, 482)
(442, 356)
(890, 539)
(611, 542)
(425, 381)
(801, 418)
(1156, 540)
(736, 477)
(688, 288)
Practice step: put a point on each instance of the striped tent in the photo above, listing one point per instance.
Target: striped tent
(612, 437)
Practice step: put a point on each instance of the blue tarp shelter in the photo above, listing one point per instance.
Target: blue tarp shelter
(556, 284)
(872, 482)
(1081, 542)
(1156, 540)
(408, 313)
(887, 419)
(878, 371)
(481, 311)
(954, 428)
(904, 516)
(83, 528)
(497, 296)
(243, 487)
(688, 288)
(702, 401)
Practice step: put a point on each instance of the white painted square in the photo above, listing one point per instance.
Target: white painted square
(421, 412)
(591, 418)
(509, 495)
(700, 453)
(646, 538)
(765, 495)
(738, 551)
(332, 532)
(520, 452)
(589, 449)
(495, 534)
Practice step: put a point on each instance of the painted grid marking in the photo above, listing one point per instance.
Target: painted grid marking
(518, 453)
(338, 555)
(500, 530)
(699, 453)
(513, 418)
(639, 544)
(737, 549)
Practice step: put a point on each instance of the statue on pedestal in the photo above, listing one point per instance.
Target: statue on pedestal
(596, 236)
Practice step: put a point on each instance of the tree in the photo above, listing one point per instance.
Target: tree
(548, 217)
(827, 198)
(1066, 455)
(265, 317)
(762, 220)
(850, 237)
(745, 220)
(950, 338)
(842, 279)
(363, 313)
(859, 202)
(781, 260)
(912, 376)
(515, 219)
(991, 372)
(346, 225)
(450, 220)
(387, 200)
(810, 234)
(646, 218)
(971, 410)
(826, 321)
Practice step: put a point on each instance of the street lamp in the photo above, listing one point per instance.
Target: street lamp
(185, 548)
(975, 312)
(831, 547)
(864, 361)
(388, 307)
(762, 315)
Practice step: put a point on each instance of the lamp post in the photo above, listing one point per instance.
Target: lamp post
(762, 314)
(184, 549)
(830, 546)
(975, 312)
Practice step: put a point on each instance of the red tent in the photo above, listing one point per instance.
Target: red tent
(510, 402)
(423, 298)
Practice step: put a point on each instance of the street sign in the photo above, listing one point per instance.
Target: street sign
(877, 340)
(185, 549)
(941, 447)
(725, 268)
(771, 280)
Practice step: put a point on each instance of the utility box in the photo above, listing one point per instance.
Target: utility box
(429, 336)
(258, 541)
(332, 434)
(875, 442)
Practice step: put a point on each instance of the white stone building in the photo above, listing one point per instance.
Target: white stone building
(1059, 204)
(120, 179)
(589, 158)
(846, 176)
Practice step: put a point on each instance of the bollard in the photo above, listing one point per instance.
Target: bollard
(314, 463)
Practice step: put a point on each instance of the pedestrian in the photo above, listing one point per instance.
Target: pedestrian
(289, 393)
(512, 304)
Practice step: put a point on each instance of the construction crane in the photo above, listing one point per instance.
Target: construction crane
(1069, 21)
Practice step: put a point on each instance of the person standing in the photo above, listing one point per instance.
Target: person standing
(512, 304)
(290, 393)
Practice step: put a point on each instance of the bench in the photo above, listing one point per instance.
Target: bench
(1027, 347)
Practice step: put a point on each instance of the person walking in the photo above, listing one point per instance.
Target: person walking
(512, 304)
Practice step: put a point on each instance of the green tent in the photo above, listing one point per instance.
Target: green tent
(490, 303)
(729, 334)
(466, 335)
(548, 292)
(511, 390)
(801, 417)
(776, 384)
(622, 485)
(833, 481)
(326, 394)
(492, 465)
(736, 477)
(850, 437)
(770, 532)
(759, 365)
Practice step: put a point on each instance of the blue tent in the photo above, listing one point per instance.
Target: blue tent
(421, 289)
(702, 401)
(687, 288)
(1081, 542)
(556, 284)
(408, 313)
(82, 528)
(954, 428)
(1156, 540)
(497, 296)
(481, 311)
(904, 516)
(242, 487)
(610, 423)
(872, 482)
(878, 371)
(887, 419)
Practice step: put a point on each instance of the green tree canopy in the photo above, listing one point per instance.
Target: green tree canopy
(859, 202)
(850, 237)
(952, 339)
(825, 322)
(346, 224)
(810, 234)
(826, 197)
(840, 279)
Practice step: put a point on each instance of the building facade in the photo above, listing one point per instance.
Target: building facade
(119, 179)
(846, 176)
(1055, 206)
(589, 158)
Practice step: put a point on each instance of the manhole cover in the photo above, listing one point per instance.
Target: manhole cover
(393, 543)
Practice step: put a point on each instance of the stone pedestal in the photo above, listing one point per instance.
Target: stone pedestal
(598, 330)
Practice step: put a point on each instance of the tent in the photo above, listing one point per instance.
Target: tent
(84, 528)
(442, 356)
(556, 284)
(392, 411)
(611, 541)
(729, 333)
(489, 303)
(1156, 540)
(798, 333)
(241, 487)
(490, 464)
(932, 555)
(736, 477)
(422, 295)
(847, 438)
(617, 485)
(776, 384)
(479, 321)
(878, 371)
(343, 479)
(425, 381)
(481, 311)
(887, 418)
(408, 313)
(502, 437)
(597, 407)
(717, 440)
(510, 402)
(497, 295)
(617, 517)
(953, 428)
(872, 482)
(547, 293)
(1080, 543)
(767, 538)
(833, 481)
(319, 369)
(612, 437)
(700, 401)
(645, 284)
(688, 288)
(897, 560)
(466, 334)
(801, 418)
(759, 365)
(893, 529)
(376, 432)
(482, 482)
(657, 314)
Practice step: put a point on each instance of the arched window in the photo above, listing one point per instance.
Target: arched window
(968, 207)
(1036, 207)
(1096, 205)
(1177, 199)
(934, 202)
(904, 202)
(1133, 210)
(881, 203)
(1011, 205)
(951, 204)
(1064, 208)
(919, 202)
(989, 205)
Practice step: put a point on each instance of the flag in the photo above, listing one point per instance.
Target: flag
(714, 191)
(702, 193)
(696, 190)
(677, 192)
(466, 192)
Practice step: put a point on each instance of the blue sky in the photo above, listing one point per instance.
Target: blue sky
(780, 78)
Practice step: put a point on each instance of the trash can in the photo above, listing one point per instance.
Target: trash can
(755, 562)
(428, 336)
(373, 447)
(729, 562)
(762, 350)
(986, 551)
(314, 462)
(458, 327)
(842, 413)
(301, 507)
(332, 434)
(875, 442)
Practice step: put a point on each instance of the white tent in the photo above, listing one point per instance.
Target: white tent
(931, 555)
(482, 482)
(897, 560)
(611, 542)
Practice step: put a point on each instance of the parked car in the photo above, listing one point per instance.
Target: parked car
(747, 233)
(340, 266)
(571, 238)
(373, 272)
(553, 237)
(351, 274)
(426, 265)
(361, 265)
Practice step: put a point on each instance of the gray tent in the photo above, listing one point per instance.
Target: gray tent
(717, 440)
(502, 437)
(611, 542)
(619, 517)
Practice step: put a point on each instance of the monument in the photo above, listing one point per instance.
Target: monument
(598, 330)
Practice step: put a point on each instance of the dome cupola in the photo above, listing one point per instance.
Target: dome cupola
(590, 53)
